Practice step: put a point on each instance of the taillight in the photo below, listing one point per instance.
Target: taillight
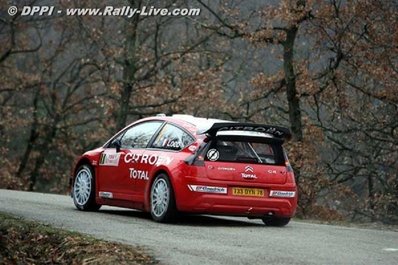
(288, 166)
(195, 160)
(287, 163)
(199, 161)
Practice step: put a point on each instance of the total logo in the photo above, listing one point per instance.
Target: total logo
(138, 174)
(249, 173)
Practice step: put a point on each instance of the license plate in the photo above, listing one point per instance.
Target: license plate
(248, 192)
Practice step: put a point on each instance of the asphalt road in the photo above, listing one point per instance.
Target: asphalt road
(211, 240)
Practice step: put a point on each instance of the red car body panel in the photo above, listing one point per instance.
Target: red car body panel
(128, 176)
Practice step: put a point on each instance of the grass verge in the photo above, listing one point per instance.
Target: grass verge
(28, 242)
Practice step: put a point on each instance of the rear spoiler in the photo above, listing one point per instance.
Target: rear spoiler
(276, 131)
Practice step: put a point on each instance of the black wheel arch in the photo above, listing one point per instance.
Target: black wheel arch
(82, 161)
(156, 173)
(170, 215)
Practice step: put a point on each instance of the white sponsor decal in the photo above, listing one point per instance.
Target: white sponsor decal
(282, 193)
(109, 158)
(147, 159)
(226, 168)
(138, 174)
(173, 144)
(213, 154)
(208, 189)
(105, 194)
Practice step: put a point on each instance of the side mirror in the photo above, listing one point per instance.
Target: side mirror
(117, 144)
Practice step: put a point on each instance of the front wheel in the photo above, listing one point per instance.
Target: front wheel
(84, 189)
(276, 221)
(163, 207)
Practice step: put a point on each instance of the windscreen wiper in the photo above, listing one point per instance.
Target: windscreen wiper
(254, 152)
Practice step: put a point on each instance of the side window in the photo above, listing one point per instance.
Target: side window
(173, 138)
(139, 135)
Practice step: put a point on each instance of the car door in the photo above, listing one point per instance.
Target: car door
(119, 172)
(165, 151)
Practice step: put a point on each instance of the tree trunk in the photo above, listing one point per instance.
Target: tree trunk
(32, 138)
(290, 78)
(43, 151)
(371, 197)
(129, 68)
(291, 91)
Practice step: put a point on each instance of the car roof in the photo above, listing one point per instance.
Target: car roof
(189, 122)
(201, 124)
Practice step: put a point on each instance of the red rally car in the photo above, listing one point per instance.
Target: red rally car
(165, 165)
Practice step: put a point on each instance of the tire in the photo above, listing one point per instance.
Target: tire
(276, 221)
(162, 200)
(84, 189)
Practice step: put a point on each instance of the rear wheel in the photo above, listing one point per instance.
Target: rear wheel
(163, 207)
(276, 221)
(84, 189)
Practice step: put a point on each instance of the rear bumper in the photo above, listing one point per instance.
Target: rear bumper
(228, 204)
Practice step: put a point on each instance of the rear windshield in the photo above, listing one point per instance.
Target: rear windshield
(246, 152)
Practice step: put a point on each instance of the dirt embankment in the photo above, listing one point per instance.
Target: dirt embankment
(27, 242)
